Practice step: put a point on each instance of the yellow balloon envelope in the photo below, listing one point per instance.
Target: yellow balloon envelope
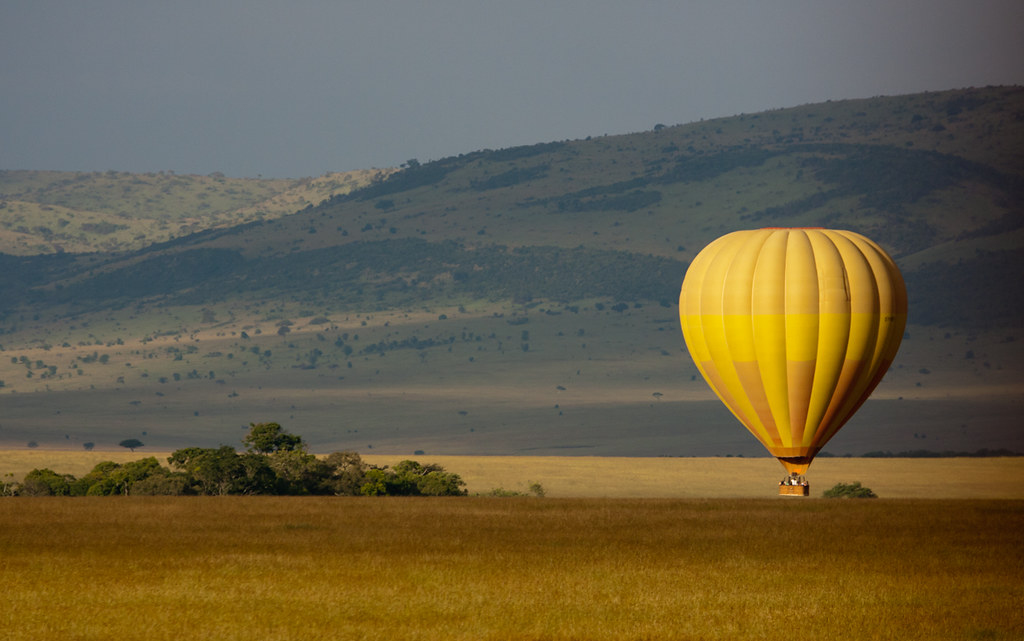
(793, 329)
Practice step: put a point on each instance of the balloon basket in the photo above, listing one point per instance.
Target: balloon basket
(794, 485)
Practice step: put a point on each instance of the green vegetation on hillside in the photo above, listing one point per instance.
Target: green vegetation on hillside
(931, 177)
(45, 212)
(385, 273)
(434, 266)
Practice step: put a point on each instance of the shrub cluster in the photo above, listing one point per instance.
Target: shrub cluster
(275, 462)
(849, 491)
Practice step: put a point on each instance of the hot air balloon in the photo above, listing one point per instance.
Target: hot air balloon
(793, 329)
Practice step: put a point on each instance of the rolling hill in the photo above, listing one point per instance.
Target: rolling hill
(44, 212)
(522, 300)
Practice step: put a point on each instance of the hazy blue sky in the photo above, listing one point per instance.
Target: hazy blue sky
(297, 88)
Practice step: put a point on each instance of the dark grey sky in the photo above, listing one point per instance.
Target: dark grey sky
(297, 88)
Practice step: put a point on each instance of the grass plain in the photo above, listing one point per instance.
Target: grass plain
(488, 568)
(650, 477)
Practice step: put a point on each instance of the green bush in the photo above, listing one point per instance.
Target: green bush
(275, 463)
(849, 491)
(502, 493)
(536, 489)
(45, 482)
(410, 478)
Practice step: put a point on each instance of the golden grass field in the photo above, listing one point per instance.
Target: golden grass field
(664, 477)
(281, 568)
(621, 548)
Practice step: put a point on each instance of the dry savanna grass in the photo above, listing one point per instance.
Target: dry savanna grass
(487, 568)
(632, 477)
(652, 477)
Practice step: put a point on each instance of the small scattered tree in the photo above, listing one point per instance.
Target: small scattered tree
(131, 443)
(849, 491)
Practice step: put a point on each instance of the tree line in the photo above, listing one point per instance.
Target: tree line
(275, 463)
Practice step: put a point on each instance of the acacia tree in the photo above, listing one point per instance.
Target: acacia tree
(131, 443)
(267, 438)
(284, 455)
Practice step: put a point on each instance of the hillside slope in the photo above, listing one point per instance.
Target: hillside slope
(522, 300)
(937, 179)
(43, 212)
